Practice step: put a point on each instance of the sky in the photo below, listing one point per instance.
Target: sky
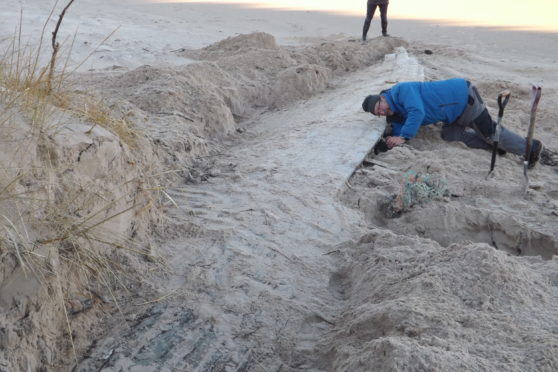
(520, 14)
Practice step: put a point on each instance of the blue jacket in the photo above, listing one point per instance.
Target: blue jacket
(423, 103)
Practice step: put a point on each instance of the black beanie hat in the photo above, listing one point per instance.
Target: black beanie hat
(369, 103)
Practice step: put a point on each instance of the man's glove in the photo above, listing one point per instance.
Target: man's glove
(381, 146)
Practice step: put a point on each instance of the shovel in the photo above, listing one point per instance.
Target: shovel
(535, 97)
(503, 98)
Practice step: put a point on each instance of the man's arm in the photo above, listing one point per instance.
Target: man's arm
(410, 99)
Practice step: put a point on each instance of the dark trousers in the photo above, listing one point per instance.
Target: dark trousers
(475, 128)
(370, 10)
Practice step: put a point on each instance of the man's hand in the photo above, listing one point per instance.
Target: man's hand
(395, 141)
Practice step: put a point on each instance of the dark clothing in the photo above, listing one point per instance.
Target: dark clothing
(370, 10)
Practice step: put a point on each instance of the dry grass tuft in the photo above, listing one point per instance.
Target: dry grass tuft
(93, 110)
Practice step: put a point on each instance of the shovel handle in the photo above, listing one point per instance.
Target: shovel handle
(536, 91)
(535, 98)
(503, 98)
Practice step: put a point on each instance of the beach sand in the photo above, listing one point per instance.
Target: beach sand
(279, 252)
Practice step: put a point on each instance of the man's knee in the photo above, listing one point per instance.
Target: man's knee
(383, 10)
(484, 124)
(451, 132)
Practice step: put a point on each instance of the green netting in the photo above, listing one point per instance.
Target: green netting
(418, 188)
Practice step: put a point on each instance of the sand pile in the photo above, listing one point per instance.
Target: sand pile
(288, 73)
(184, 109)
(411, 304)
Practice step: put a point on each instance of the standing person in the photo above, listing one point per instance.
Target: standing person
(370, 10)
(454, 102)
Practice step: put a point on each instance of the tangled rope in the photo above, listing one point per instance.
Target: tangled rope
(415, 189)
